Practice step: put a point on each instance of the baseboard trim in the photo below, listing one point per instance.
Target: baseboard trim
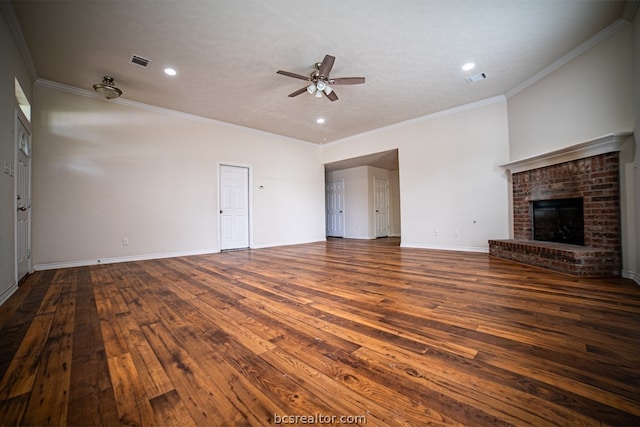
(481, 249)
(631, 275)
(8, 292)
(114, 260)
(273, 245)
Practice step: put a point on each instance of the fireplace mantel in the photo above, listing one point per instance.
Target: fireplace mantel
(604, 144)
(589, 171)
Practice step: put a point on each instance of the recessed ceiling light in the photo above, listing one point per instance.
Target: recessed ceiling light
(170, 71)
(320, 120)
(468, 66)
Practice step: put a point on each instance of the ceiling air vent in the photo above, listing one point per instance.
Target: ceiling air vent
(476, 78)
(139, 61)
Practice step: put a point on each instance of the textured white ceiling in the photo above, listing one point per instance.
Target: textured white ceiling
(227, 53)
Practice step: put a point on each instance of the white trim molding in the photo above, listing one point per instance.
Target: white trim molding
(479, 249)
(113, 260)
(277, 244)
(6, 9)
(631, 275)
(152, 108)
(571, 55)
(8, 292)
(593, 147)
(435, 115)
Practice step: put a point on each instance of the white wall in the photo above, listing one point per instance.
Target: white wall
(394, 201)
(450, 179)
(106, 170)
(588, 97)
(12, 67)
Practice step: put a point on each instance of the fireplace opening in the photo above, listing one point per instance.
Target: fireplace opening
(559, 220)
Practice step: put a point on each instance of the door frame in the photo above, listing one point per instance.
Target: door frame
(21, 121)
(249, 202)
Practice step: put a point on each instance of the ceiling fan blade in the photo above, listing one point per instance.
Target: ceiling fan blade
(326, 66)
(298, 92)
(294, 75)
(347, 81)
(332, 96)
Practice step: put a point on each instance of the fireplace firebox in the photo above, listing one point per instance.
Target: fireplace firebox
(558, 220)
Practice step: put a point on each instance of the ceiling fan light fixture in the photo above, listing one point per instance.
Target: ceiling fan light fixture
(327, 90)
(311, 89)
(318, 94)
(107, 88)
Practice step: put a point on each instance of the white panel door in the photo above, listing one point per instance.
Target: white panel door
(23, 202)
(335, 208)
(381, 194)
(234, 207)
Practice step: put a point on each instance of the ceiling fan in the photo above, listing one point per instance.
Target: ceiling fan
(320, 81)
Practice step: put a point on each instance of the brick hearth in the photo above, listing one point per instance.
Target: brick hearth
(595, 179)
(570, 259)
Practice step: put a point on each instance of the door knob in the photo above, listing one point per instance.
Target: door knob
(220, 210)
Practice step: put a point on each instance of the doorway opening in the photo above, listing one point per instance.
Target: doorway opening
(362, 198)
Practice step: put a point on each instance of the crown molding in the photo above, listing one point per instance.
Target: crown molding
(152, 108)
(14, 27)
(571, 55)
(593, 147)
(437, 114)
(630, 9)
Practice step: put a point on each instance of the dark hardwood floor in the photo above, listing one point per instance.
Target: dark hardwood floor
(366, 330)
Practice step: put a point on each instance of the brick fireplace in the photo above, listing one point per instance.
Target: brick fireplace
(588, 174)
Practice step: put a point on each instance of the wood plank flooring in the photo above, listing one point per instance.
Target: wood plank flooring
(337, 332)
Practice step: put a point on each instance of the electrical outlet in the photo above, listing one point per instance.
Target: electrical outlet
(436, 232)
(125, 241)
(456, 233)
